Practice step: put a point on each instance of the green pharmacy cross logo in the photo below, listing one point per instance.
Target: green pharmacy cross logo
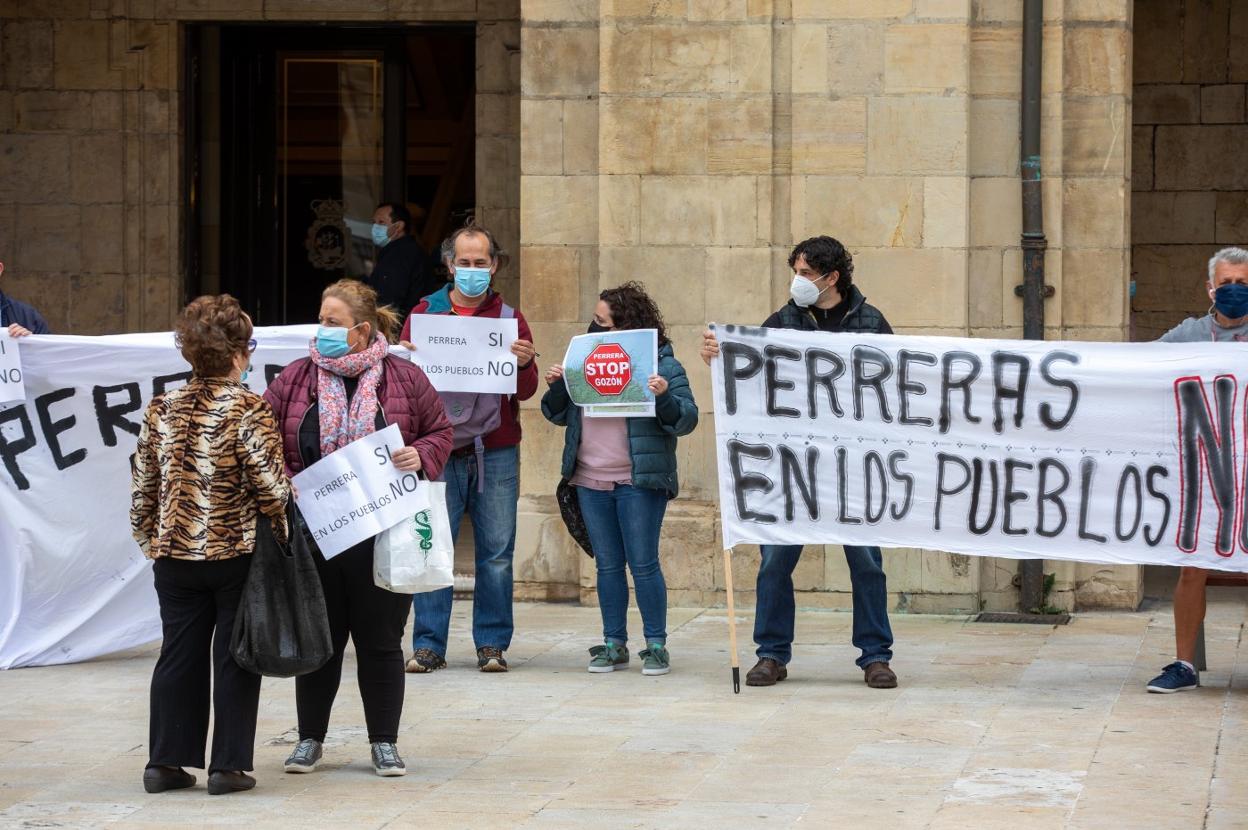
(423, 531)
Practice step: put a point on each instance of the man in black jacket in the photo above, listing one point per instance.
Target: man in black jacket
(823, 298)
(402, 276)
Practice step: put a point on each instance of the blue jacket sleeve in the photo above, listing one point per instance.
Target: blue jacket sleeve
(676, 410)
(555, 404)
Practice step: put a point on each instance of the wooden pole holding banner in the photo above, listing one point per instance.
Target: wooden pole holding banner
(732, 624)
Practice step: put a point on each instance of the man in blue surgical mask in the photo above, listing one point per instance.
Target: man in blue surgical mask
(1226, 322)
(401, 276)
(822, 297)
(482, 474)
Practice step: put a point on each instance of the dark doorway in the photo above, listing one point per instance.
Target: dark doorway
(296, 134)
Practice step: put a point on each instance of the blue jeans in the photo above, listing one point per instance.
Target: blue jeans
(493, 515)
(624, 526)
(774, 616)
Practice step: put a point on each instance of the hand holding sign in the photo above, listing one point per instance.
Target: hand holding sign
(524, 352)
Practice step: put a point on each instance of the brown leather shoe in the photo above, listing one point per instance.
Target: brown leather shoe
(766, 672)
(879, 676)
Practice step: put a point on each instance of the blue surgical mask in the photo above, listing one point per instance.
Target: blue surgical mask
(1232, 300)
(243, 377)
(472, 282)
(331, 341)
(381, 234)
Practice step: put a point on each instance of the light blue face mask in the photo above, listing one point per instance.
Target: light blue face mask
(243, 377)
(472, 282)
(381, 234)
(331, 341)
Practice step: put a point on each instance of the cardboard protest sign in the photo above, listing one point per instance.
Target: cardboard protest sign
(356, 492)
(607, 373)
(11, 386)
(466, 354)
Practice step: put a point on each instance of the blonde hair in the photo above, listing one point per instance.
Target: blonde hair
(362, 301)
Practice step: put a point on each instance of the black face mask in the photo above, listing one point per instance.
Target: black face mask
(597, 328)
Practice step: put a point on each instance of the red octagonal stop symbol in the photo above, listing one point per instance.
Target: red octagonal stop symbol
(608, 369)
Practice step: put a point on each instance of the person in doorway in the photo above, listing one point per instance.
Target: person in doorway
(401, 276)
(1227, 322)
(348, 388)
(21, 319)
(823, 297)
(483, 474)
(208, 462)
(624, 471)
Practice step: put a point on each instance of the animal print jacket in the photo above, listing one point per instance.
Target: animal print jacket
(209, 459)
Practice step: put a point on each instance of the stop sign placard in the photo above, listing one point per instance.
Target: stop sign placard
(608, 369)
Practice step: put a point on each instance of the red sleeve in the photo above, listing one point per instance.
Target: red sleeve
(419, 308)
(275, 395)
(434, 433)
(526, 380)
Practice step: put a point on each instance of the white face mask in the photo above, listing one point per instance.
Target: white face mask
(804, 292)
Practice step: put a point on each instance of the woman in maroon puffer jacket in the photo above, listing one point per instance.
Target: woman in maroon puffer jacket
(348, 388)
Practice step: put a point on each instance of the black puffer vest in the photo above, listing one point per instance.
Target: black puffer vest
(860, 318)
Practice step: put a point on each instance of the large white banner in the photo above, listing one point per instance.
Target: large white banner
(1097, 452)
(357, 492)
(73, 584)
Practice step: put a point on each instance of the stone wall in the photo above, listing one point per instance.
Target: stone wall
(91, 191)
(686, 143)
(1190, 175)
(690, 143)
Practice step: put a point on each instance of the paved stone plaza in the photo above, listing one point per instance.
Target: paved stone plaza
(993, 726)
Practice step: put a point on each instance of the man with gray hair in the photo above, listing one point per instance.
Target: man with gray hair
(1227, 321)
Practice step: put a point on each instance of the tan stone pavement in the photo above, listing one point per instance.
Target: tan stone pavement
(993, 726)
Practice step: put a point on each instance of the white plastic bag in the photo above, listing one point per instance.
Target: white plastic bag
(417, 555)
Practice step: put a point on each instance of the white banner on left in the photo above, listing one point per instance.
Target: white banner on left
(357, 492)
(73, 584)
(11, 386)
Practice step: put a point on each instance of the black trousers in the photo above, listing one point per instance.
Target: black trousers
(198, 602)
(374, 619)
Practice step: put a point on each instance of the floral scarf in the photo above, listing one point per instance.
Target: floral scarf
(341, 424)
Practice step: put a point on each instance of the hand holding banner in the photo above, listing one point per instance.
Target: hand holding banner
(466, 354)
(357, 492)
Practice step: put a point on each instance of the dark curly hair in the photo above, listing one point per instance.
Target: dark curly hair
(212, 331)
(632, 308)
(825, 255)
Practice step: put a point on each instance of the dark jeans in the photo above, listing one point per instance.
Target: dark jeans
(774, 616)
(374, 619)
(624, 526)
(198, 601)
(493, 514)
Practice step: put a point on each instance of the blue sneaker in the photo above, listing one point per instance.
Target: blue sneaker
(1175, 677)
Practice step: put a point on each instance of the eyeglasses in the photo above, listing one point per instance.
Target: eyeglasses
(251, 346)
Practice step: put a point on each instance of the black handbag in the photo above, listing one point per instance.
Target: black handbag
(282, 627)
(570, 510)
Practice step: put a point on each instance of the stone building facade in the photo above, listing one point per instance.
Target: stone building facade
(684, 143)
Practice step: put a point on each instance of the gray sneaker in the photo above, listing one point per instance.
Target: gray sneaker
(386, 760)
(655, 660)
(607, 658)
(305, 757)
